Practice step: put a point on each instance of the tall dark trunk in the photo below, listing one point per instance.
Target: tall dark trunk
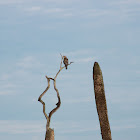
(101, 102)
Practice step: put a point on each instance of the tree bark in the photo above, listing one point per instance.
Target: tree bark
(101, 102)
(49, 134)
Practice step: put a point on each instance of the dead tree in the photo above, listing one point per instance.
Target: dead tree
(50, 132)
(101, 102)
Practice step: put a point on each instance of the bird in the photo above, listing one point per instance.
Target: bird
(65, 61)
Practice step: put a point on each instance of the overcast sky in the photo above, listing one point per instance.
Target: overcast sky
(33, 33)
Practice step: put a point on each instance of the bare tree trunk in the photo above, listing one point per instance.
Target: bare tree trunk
(101, 102)
(49, 134)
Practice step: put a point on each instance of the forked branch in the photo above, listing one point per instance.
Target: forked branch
(58, 96)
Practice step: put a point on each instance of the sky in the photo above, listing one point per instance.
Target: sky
(33, 33)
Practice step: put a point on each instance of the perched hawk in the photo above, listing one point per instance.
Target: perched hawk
(65, 61)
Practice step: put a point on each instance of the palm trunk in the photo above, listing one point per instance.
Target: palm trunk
(101, 102)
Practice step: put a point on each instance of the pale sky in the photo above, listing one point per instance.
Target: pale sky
(33, 33)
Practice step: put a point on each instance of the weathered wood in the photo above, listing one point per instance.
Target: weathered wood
(101, 102)
(49, 134)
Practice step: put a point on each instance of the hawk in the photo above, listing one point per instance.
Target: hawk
(65, 61)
